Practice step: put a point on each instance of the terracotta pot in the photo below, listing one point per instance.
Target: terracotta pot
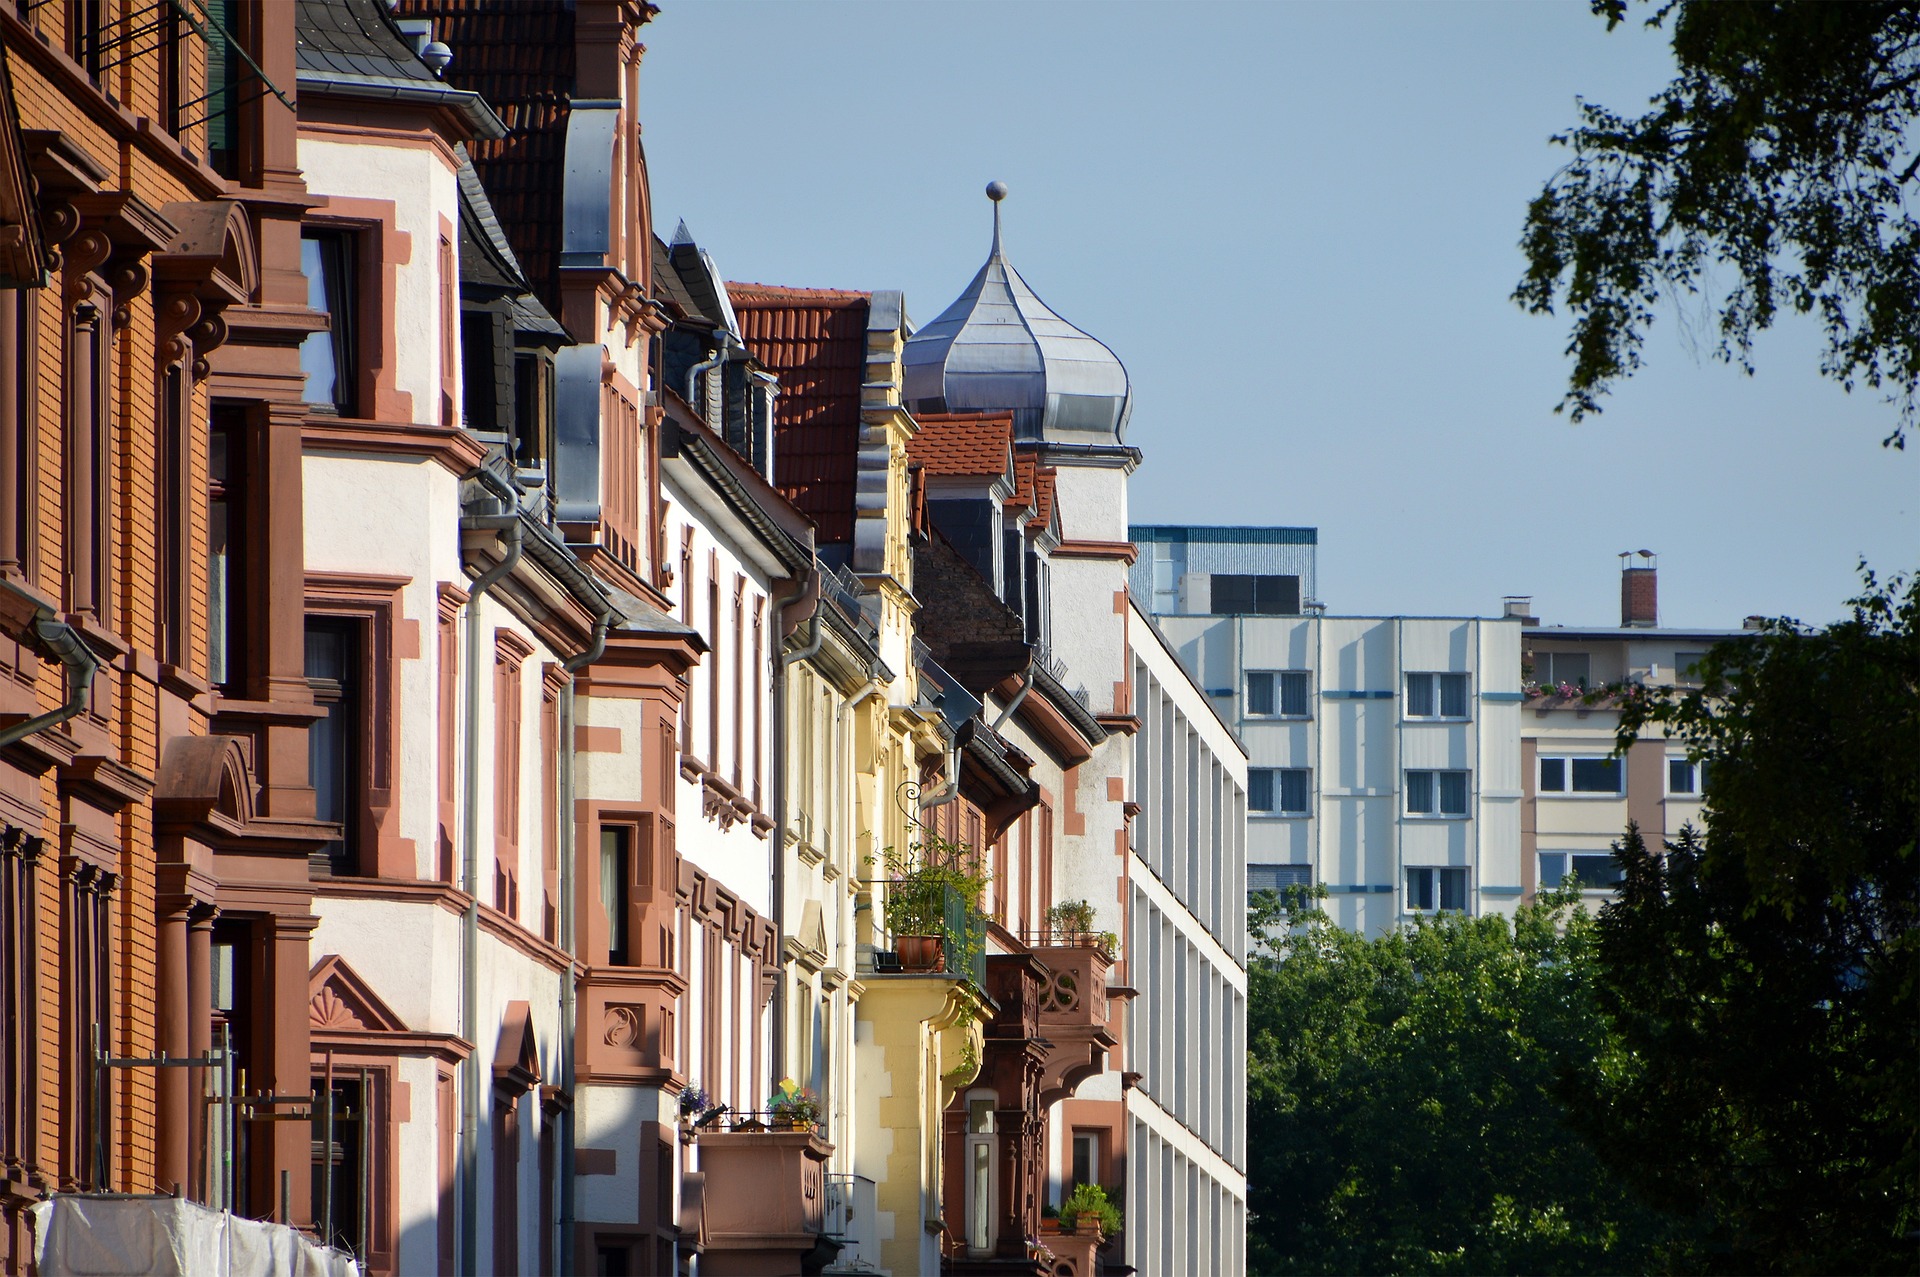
(920, 953)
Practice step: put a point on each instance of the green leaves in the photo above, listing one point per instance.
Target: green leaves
(1780, 163)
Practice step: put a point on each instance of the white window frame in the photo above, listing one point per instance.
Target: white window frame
(1279, 696)
(1568, 760)
(1696, 771)
(1277, 812)
(1252, 868)
(1436, 698)
(1438, 890)
(1406, 802)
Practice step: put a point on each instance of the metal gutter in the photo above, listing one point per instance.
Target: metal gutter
(471, 106)
(53, 636)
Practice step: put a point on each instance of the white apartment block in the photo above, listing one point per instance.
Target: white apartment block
(1383, 753)
(1187, 1185)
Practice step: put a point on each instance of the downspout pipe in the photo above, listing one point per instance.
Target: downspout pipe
(945, 794)
(809, 598)
(1019, 696)
(693, 379)
(568, 993)
(64, 643)
(508, 525)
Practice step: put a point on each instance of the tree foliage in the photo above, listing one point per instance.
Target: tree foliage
(1761, 979)
(1405, 1104)
(1781, 165)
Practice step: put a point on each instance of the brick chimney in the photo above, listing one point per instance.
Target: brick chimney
(1639, 590)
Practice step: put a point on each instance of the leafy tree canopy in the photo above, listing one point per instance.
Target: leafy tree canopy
(1404, 1108)
(1781, 165)
(1762, 979)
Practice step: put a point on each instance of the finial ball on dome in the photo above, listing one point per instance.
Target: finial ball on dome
(996, 191)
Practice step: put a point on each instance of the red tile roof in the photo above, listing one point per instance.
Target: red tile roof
(963, 443)
(518, 55)
(815, 341)
(1043, 494)
(1024, 465)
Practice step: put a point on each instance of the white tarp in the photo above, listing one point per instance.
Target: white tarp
(81, 1236)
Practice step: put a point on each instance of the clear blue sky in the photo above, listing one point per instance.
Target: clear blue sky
(1296, 224)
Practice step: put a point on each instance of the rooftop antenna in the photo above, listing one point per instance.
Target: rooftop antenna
(996, 191)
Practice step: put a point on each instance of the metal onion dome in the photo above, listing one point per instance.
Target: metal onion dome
(998, 347)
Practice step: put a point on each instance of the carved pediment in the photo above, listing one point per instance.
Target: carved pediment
(340, 1001)
(204, 780)
(516, 1058)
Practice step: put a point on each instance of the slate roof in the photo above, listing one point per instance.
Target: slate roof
(518, 55)
(487, 257)
(815, 341)
(972, 444)
(354, 37)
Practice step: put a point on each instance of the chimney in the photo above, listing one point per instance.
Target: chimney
(1520, 607)
(1639, 590)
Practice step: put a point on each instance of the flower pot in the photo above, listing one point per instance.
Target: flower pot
(920, 953)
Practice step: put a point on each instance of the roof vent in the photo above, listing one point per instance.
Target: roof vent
(1519, 607)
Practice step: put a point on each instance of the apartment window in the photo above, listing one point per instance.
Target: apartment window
(1277, 694)
(1435, 793)
(1277, 791)
(88, 957)
(616, 867)
(337, 1199)
(1255, 595)
(1686, 778)
(1436, 696)
(979, 1172)
(226, 568)
(85, 41)
(333, 742)
(1086, 1157)
(1435, 888)
(225, 103)
(18, 444)
(1554, 668)
(88, 461)
(1278, 877)
(19, 995)
(327, 357)
(532, 410)
(479, 370)
(1596, 775)
(1687, 665)
(506, 1185)
(1596, 870)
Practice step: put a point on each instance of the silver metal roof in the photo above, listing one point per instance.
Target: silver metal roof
(999, 347)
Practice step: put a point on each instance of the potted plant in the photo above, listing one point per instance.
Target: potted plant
(1089, 1206)
(697, 1108)
(794, 1107)
(1071, 921)
(920, 884)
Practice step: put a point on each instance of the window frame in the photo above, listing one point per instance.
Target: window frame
(1304, 872)
(1278, 791)
(1435, 793)
(1436, 878)
(340, 253)
(1696, 774)
(1568, 857)
(1436, 696)
(1567, 790)
(1278, 695)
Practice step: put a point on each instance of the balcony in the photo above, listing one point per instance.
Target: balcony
(1076, 1009)
(852, 1206)
(766, 1199)
(932, 929)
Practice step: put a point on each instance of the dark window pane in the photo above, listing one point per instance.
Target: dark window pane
(1293, 789)
(1553, 868)
(1260, 789)
(327, 357)
(1553, 775)
(1293, 693)
(1453, 888)
(1259, 693)
(1231, 594)
(1453, 695)
(333, 741)
(1420, 888)
(1596, 775)
(479, 388)
(1567, 667)
(1453, 793)
(1420, 695)
(1597, 870)
(1679, 776)
(1277, 595)
(614, 866)
(1420, 793)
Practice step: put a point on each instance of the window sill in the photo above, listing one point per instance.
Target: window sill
(1279, 815)
(1583, 796)
(1436, 718)
(1436, 817)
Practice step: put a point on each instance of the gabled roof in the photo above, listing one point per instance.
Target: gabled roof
(815, 341)
(1044, 489)
(1024, 466)
(518, 55)
(352, 48)
(975, 444)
